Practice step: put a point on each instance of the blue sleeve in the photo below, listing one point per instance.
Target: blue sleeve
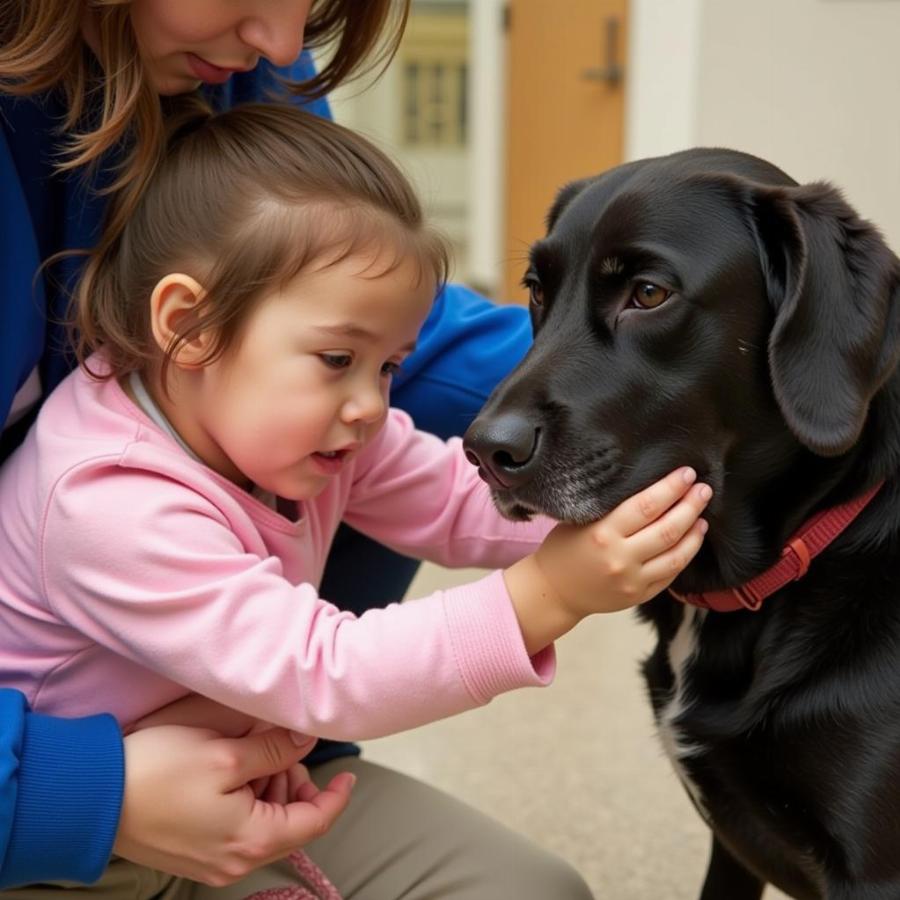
(61, 783)
(466, 347)
(22, 327)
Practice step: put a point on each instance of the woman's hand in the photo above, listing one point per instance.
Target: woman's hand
(189, 810)
(201, 712)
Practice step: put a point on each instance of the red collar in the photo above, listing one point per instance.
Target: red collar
(812, 538)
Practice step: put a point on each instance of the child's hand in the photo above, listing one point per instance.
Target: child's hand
(622, 560)
(631, 554)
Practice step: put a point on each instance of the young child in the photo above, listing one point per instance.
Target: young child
(166, 521)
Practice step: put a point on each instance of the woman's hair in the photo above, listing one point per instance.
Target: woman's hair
(242, 202)
(42, 48)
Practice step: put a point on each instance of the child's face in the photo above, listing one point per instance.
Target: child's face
(305, 385)
(185, 42)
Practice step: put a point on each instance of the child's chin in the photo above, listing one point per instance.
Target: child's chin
(307, 491)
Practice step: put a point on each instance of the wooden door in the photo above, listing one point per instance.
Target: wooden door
(565, 110)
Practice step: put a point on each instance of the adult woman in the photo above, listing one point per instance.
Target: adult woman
(110, 70)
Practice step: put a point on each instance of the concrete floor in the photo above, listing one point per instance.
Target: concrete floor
(576, 766)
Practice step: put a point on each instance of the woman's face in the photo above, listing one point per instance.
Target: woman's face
(184, 43)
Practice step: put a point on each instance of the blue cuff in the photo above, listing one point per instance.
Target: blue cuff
(70, 782)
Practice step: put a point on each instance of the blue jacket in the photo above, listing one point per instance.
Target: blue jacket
(60, 794)
(61, 780)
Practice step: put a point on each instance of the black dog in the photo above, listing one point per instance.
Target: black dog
(704, 309)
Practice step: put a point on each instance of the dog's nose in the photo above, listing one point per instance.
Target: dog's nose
(505, 448)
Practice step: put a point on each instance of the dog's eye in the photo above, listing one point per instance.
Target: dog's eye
(535, 292)
(648, 296)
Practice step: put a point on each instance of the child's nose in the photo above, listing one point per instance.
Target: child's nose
(366, 406)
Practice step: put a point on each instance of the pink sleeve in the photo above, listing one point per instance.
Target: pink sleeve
(162, 579)
(440, 509)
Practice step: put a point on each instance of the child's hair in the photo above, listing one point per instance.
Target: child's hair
(242, 202)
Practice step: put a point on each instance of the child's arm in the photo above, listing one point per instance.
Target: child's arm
(166, 583)
(174, 583)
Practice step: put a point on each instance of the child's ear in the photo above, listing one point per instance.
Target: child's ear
(173, 313)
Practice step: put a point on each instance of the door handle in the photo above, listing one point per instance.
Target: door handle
(612, 72)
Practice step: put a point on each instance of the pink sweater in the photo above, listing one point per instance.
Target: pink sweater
(131, 574)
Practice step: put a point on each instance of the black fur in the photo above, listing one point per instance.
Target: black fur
(772, 369)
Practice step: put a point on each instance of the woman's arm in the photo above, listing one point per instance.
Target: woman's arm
(187, 808)
(467, 346)
(61, 784)
(23, 319)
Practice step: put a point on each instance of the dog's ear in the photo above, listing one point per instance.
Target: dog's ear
(564, 196)
(835, 287)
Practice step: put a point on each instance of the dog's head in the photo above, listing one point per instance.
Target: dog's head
(701, 309)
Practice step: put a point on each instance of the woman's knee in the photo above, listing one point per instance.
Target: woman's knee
(542, 875)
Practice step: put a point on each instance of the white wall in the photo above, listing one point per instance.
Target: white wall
(662, 76)
(812, 85)
(487, 121)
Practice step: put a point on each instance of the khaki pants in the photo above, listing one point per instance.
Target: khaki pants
(399, 838)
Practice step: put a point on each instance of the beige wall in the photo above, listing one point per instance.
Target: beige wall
(812, 85)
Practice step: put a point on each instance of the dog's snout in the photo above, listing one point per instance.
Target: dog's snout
(504, 447)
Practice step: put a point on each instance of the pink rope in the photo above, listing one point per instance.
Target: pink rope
(316, 887)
